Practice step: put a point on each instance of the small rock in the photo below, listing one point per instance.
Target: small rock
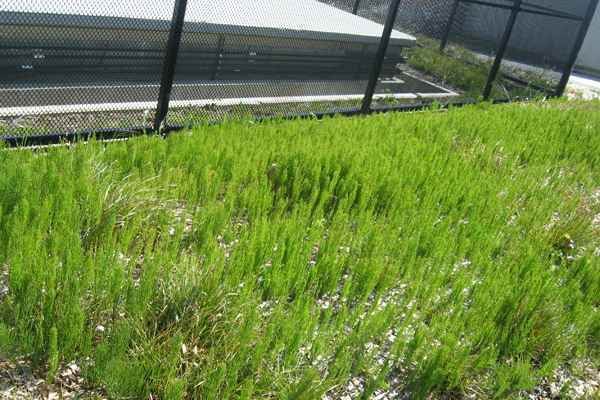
(579, 390)
(380, 396)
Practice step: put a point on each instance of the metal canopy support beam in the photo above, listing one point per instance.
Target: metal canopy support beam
(219, 57)
(355, 9)
(449, 25)
(509, 27)
(560, 90)
(383, 44)
(166, 83)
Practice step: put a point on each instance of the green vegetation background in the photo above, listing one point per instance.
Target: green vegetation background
(429, 252)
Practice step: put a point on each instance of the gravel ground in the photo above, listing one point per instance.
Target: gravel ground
(577, 91)
(19, 381)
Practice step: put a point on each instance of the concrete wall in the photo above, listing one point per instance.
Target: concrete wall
(589, 55)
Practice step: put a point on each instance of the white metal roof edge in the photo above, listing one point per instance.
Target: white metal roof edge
(34, 18)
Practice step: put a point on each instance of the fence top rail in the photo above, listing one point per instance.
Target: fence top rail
(298, 19)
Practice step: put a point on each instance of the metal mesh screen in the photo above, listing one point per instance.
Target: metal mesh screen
(258, 60)
(540, 46)
(90, 66)
(473, 41)
(538, 65)
(79, 65)
(479, 27)
(424, 18)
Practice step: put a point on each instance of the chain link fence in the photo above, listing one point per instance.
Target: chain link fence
(538, 54)
(121, 67)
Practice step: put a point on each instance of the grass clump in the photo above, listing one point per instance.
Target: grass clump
(431, 253)
(463, 70)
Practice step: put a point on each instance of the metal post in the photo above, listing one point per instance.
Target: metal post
(218, 55)
(449, 25)
(355, 9)
(166, 83)
(585, 24)
(383, 44)
(509, 27)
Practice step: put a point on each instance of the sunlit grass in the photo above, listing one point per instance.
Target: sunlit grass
(436, 252)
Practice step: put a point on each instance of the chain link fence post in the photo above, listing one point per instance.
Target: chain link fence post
(449, 25)
(166, 83)
(509, 27)
(562, 84)
(381, 50)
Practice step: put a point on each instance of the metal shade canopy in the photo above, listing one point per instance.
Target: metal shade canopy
(84, 52)
(293, 19)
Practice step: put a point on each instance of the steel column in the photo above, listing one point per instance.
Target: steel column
(562, 84)
(449, 25)
(509, 27)
(166, 83)
(355, 9)
(218, 57)
(383, 44)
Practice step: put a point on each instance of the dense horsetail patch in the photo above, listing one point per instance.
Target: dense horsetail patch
(449, 252)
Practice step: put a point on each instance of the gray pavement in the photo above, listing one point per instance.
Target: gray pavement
(588, 87)
(584, 81)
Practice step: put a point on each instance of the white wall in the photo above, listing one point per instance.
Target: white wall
(589, 55)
